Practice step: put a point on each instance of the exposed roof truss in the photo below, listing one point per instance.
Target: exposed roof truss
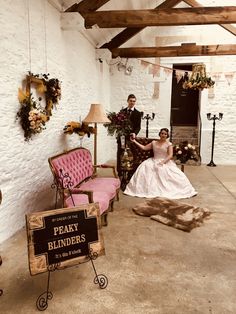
(134, 21)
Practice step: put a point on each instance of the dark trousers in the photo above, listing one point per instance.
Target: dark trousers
(118, 156)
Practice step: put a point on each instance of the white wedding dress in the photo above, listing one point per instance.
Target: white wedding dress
(154, 180)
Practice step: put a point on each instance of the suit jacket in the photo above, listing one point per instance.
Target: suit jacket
(135, 119)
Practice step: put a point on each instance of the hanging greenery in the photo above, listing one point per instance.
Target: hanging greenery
(198, 83)
(32, 115)
(198, 79)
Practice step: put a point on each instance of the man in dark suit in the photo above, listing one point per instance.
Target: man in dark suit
(133, 114)
(135, 117)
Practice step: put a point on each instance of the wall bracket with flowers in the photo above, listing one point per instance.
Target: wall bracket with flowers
(79, 128)
(32, 115)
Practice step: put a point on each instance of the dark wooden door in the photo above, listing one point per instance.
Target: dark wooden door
(184, 103)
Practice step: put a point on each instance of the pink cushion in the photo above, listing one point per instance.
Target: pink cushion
(106, 185)
(107, 180)
(100, 197)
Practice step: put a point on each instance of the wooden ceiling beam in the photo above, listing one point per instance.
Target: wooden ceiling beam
(161, 17)
(129, 32)
(86, 6)
(227, 27)
(174, 51)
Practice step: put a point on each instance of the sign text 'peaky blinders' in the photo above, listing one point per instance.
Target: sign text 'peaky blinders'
(63, 237)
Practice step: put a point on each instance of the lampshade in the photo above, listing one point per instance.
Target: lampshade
(199, 71)
(96, 115)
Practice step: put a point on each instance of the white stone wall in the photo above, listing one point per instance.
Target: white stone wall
(223, 101)
(35, 36)
(42, 47)
(140, 82)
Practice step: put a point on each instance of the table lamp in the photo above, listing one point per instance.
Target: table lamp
(96, 115)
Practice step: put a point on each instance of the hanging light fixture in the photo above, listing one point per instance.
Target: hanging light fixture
(121, 66)
(128, 70)
(198, 79)
(124, 67)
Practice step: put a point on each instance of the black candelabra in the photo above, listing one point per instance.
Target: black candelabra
(213, 118)
(148, 117)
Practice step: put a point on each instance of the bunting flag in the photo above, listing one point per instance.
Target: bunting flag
(229, 77)
(156, 90)
(179, 74)
(216, 76)
(156, 69)
(144, 64)
(167, 71)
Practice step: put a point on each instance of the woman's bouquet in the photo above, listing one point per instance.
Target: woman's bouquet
(184, 152)
(120, 124)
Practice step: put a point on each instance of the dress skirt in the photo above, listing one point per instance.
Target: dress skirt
(154, 180)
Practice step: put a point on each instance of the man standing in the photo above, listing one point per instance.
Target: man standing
(135, 117)
(133, 114)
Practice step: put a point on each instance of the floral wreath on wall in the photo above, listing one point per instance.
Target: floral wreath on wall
(32, 115)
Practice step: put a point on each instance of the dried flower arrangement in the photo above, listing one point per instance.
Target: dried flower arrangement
(79, 128)
(198, 83)
(31, 114)
(198, 79)
(185, 151)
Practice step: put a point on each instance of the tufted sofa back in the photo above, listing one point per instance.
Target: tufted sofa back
(77, 163)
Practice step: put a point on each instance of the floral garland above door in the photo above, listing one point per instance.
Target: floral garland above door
(32, 115)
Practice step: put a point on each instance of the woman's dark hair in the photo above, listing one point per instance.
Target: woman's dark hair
(166, 130)
(131, 96)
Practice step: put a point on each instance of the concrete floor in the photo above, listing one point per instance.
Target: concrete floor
(151, 268)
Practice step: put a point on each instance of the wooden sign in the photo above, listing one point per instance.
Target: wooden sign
(63, 237)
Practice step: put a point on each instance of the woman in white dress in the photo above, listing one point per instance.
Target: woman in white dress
(159, 176)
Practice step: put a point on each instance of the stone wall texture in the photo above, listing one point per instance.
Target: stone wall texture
(32, 39)
(142, 83)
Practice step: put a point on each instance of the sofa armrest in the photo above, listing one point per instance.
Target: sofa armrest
(105, 166)
(77, 191)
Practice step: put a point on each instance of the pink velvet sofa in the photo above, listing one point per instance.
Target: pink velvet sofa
(77, 181)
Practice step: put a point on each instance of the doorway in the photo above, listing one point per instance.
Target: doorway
(184, 117)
